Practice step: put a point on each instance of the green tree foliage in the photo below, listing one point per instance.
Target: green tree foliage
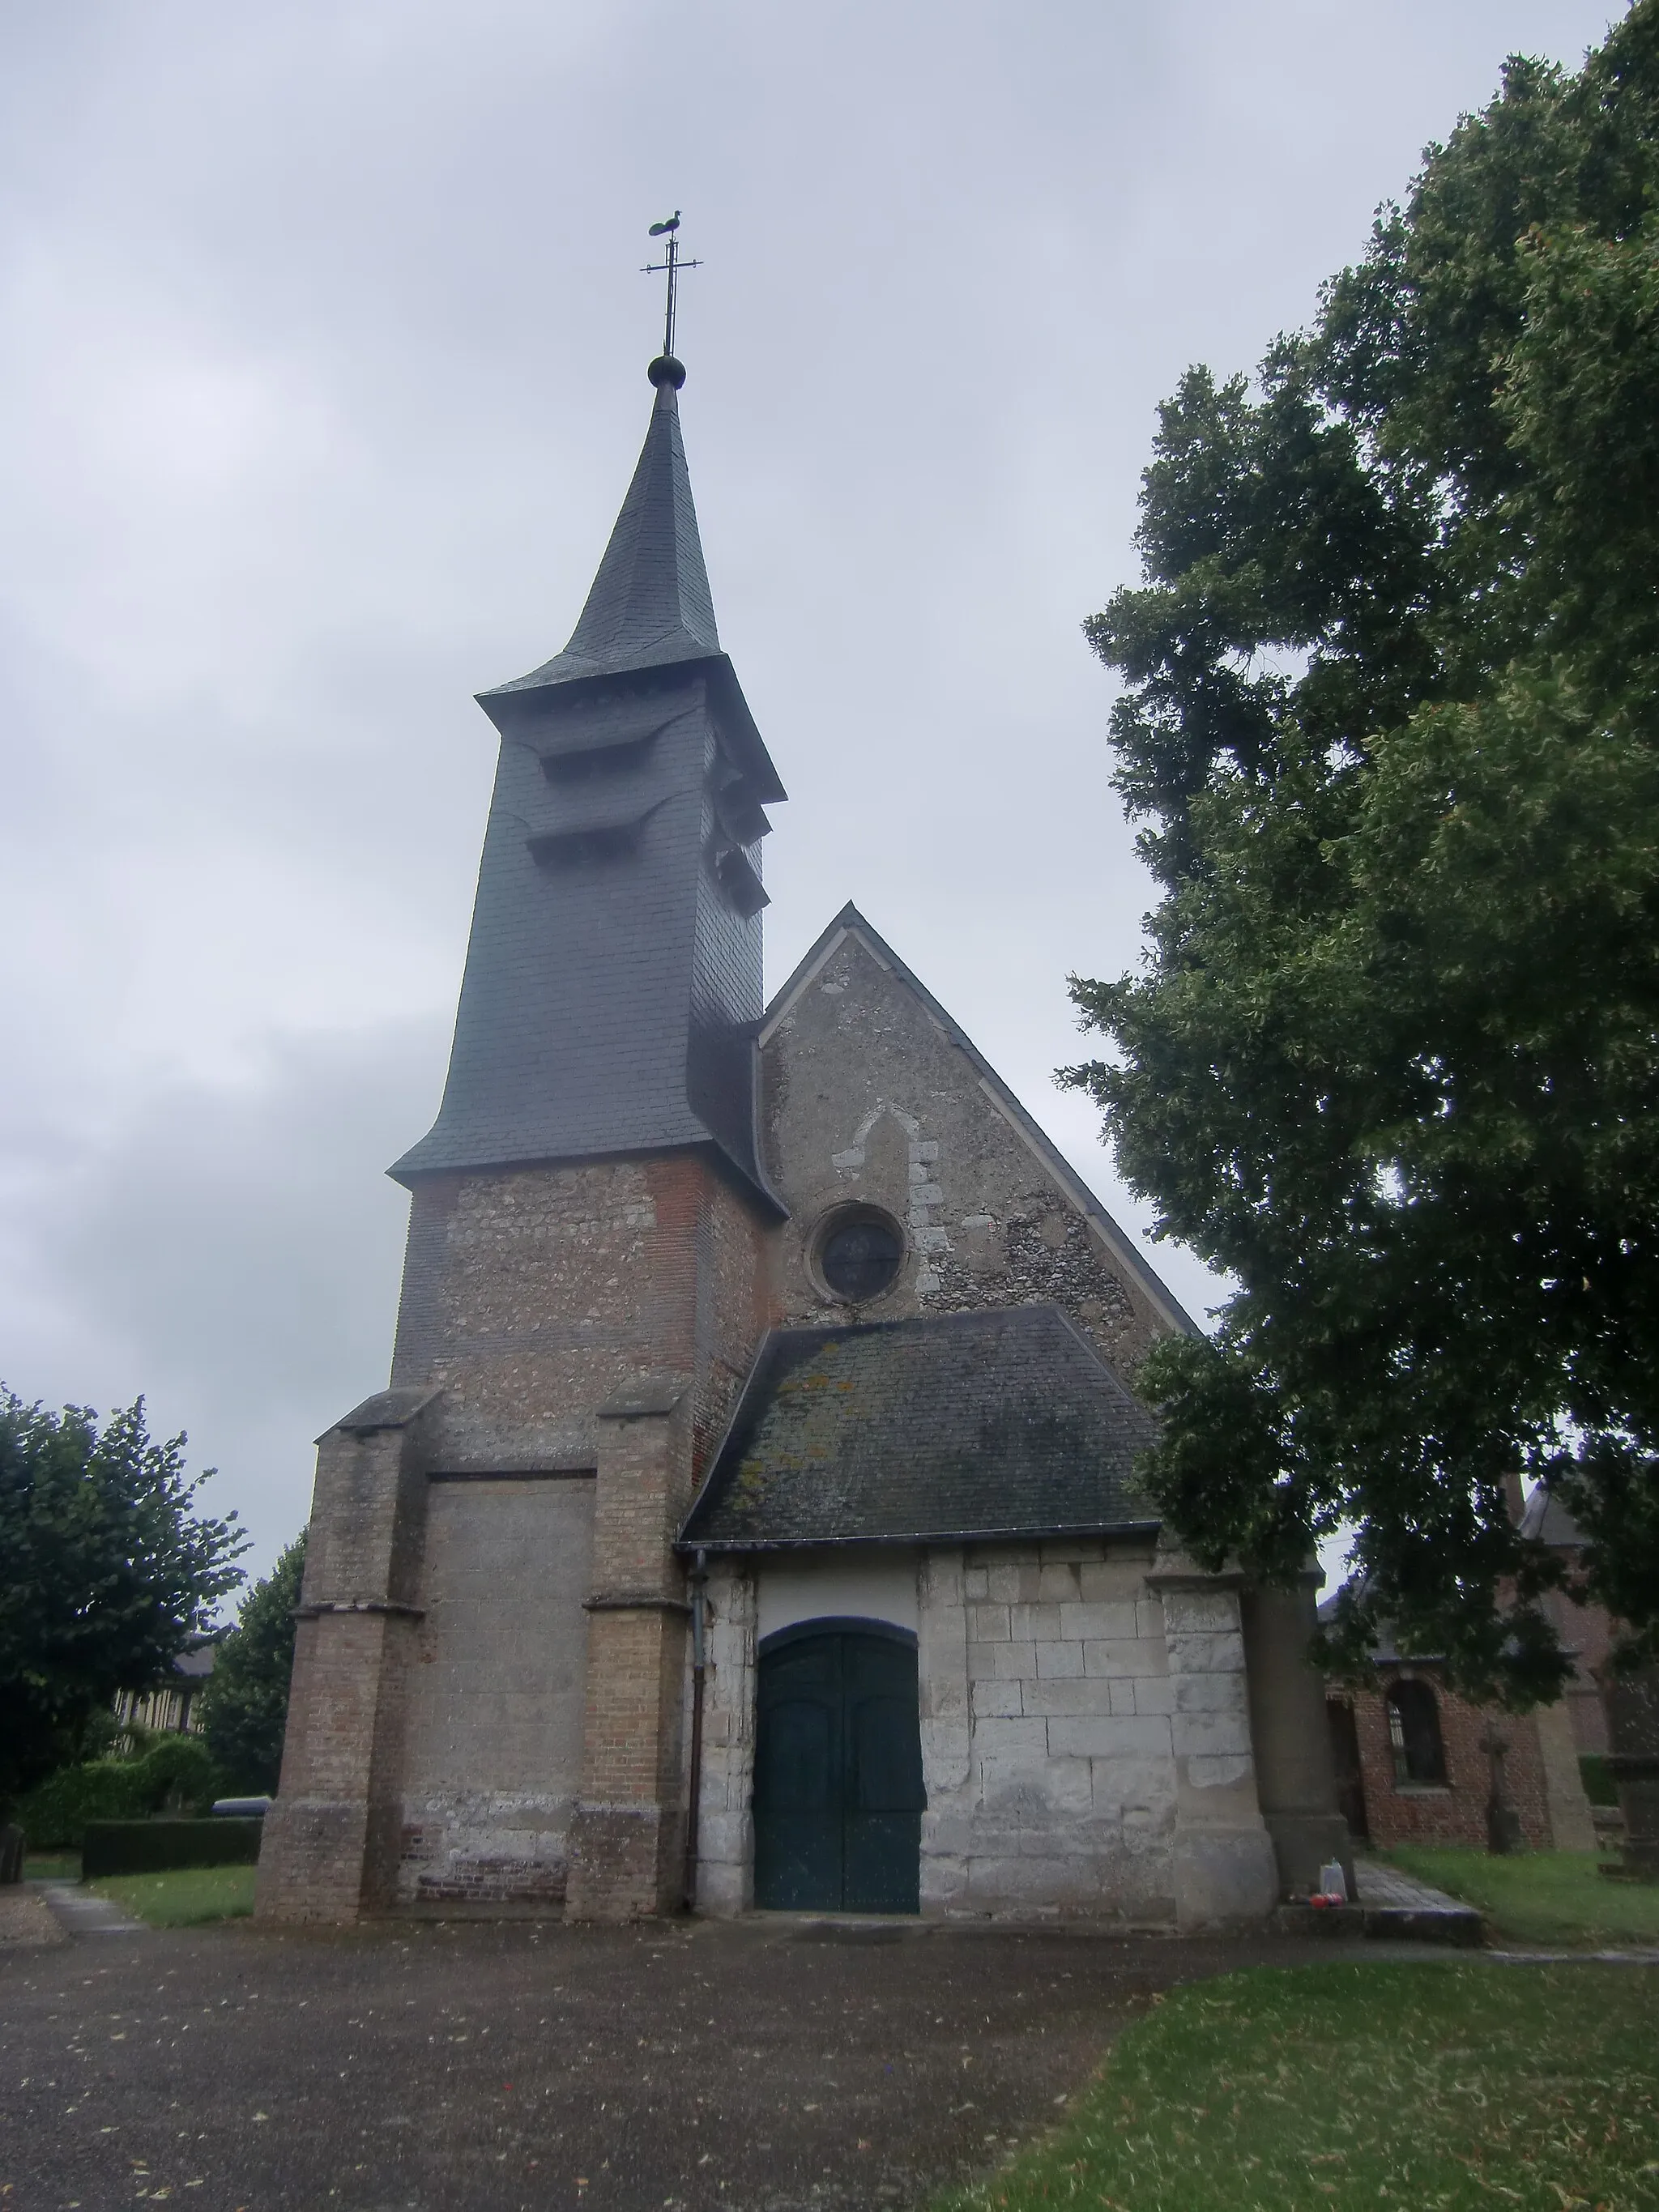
(1389, 721)
(106, 1574)
(243, 1706)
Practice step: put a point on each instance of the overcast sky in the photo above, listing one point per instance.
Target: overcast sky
(322, 381)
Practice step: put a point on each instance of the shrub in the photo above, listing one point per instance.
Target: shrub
(176, 1773)
(154, 1846)
(179, 1774)
(55, 1811)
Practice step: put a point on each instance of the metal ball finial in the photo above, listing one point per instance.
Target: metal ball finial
(666, 370)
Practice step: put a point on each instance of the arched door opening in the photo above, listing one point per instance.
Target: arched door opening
(838, 1794)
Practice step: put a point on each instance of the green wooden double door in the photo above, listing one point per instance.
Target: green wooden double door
(838, 1794)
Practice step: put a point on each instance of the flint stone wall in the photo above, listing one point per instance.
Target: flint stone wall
(870, 1098)
(531, 1296)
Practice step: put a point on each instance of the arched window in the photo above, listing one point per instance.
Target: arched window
(1419, 1756)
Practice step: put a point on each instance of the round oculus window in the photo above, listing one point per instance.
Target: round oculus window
(860, 1255)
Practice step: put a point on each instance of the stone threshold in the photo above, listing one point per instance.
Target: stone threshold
(895, 1926)
(1390, 1907)
(470, 1909)
(1459, 1925)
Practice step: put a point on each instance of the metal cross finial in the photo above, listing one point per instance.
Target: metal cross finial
(672, 264)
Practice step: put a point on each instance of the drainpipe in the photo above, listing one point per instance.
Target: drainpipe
(698, 1579)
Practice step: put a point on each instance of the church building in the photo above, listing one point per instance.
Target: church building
(750, 1520)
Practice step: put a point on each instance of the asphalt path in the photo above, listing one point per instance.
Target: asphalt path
(768, 2066)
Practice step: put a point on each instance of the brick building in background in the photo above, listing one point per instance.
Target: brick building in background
(749, 1517)
(1410, 1756)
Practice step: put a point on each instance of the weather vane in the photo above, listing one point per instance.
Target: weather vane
(672, 264)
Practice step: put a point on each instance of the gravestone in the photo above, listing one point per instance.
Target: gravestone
(1503, 1834)
(1632, 1708)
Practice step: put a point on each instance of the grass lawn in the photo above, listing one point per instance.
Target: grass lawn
(1423, 2087)
(181, 1898)
(1542, 1897)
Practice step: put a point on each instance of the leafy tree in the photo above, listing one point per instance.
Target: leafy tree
(244, 1705)
(1389, 721)
(106, 1574)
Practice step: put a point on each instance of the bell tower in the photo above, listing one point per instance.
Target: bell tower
(614, 971)
(489, 1667)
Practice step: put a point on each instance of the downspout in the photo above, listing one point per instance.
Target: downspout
(698, 1579)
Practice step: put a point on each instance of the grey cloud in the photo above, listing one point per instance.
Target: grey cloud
(323, 381)
(232, 1252)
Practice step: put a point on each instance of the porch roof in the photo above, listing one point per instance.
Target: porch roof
(1000, 1423)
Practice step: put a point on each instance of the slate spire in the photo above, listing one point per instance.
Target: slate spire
(613, 977)
(650, 606)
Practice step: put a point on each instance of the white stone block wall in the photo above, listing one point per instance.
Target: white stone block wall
(1049, 1761)
(1084, 1737)
(1224, 1863)
(725, 1819)
(1086, 1741)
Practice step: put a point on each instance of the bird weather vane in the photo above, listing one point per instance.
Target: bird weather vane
(672, 263)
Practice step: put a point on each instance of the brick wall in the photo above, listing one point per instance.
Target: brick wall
(1400, 1812)
(329, 1842)
(493, 1707)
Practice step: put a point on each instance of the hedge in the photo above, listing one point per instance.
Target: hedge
(157, 1846)
(178, 1768)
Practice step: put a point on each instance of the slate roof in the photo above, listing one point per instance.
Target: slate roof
(613, 978)
(650, 606)
(1002, 1423)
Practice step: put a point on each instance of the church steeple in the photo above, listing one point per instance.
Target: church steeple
(613, 976)
(650, 604)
